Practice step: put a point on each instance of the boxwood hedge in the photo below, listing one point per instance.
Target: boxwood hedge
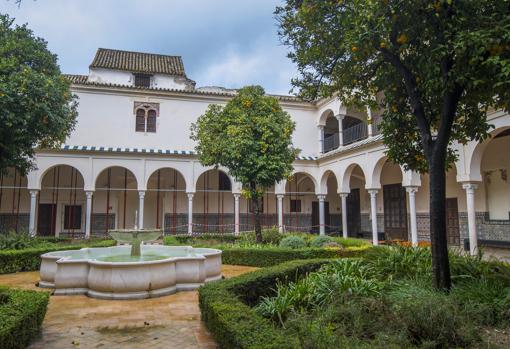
(21, 316)
(269, 256)
(226, 306)
(12, 261)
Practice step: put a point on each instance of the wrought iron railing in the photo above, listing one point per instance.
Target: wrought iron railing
(330, 142)
(355, 133)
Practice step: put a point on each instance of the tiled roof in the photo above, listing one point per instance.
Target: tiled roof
(83, 80)
(138, 62)
(143, 150)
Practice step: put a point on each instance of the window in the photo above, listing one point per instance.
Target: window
(224, 182)
(295, 205)
(146, 116)
(142, 80)
(72, 217)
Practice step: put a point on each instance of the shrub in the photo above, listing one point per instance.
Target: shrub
(21, 316)
(293, 242)
(270, 236)
(269, 256)
(226, 311)
(321, 240)
(19, 240)
(12, 261)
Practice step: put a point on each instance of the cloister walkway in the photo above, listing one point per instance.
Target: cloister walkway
(81, 322)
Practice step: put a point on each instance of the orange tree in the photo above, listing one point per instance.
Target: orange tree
(436, 66)
(37, 108)
(251, 136)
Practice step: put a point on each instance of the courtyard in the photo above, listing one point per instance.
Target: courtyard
(82, 322)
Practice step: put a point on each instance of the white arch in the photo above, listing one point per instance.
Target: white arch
(324, 117)
(308, 175)
(163, 167)
(46, 170)
(344, 185)
(113, 166)
(324, 181)
(203, 170)
(135, 166)
(475, 160)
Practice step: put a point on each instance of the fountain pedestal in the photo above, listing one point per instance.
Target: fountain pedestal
(135, 237)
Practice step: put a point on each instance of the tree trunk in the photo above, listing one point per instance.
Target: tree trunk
(440, 262)
(255, 201)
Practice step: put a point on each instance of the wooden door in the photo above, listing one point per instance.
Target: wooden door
(353, 213)
(452, 222)
(46, 219)
(395, 212)
(315, 216)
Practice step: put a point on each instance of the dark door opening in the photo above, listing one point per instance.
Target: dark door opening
(46, 219)
(452, 222)
(354, 214)
(395, 212)
(315, 216)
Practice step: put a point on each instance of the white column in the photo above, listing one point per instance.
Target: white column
(320, 129)
(190, 213)
(373, 214)
(236, 213)
(470, 201)
(340, 117)
(322, 226)
(141, 197)
(88, 213)
(370, 120)
(343, 198)
(280, 211)
(411, 191)
(33, 202)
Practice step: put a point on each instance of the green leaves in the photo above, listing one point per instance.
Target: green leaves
(417, 55)
(251, 136)
(37, 108)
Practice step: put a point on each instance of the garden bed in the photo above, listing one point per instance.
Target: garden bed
(382, 300)
(226, 306)
(29, 259)
(21, 316)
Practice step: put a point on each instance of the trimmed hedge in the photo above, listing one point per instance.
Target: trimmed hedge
(269, 256)
(226, 306)
(21, 316)
(12, 261)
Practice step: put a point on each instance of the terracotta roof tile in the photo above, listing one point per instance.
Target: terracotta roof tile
(138, 62)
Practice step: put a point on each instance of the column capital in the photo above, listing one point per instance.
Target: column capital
(190, 195)
(236, 196)
(280, 196)
(89, 193)
(343, 195)
(373, 192)
(34, 192)
(412, 189)
(321, 197)
(340, 117)
(321, 127)
(469, 186)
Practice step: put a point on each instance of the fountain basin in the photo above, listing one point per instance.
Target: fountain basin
(111, 273)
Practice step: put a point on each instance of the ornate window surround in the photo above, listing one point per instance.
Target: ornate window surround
(147, 108)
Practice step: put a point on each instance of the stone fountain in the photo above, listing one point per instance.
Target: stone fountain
(131, 271)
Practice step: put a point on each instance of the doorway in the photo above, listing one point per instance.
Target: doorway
(46, 219)
(395, 212)
(354, 214)
(452, 222)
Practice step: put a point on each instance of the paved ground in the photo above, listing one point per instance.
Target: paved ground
(81, 322)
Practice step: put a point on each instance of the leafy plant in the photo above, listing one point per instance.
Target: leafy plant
(321, 240)
(294, 242)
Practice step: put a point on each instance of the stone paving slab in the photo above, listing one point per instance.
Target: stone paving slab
(82, 322)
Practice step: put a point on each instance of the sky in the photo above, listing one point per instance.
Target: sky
(229, 43)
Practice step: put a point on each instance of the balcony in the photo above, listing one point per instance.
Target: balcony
(351, 135)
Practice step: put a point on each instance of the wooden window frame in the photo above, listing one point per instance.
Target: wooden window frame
(142, 80)
(150, 111)
(76, 221)
(295, 206)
